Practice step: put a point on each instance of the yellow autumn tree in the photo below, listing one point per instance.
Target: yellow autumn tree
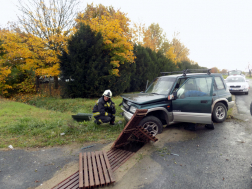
(114, 27)
(179, 49)
(51, 21)
(170, 55)
(152, 37)
(21, 60)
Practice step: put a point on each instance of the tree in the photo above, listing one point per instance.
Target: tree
(20, 60)
(215, 70)
(113, 26)
(224, 71)
(4, 72)
(51, 23)
(179, 50)
(148, 65)
(87, 65)
(155, 38)
(152, 37)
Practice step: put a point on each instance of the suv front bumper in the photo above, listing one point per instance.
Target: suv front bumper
(231, 104)
(127, 115)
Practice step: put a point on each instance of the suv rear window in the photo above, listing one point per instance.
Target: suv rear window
(218, 83)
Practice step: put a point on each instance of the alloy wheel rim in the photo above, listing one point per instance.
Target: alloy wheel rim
(220, 113)
(151, 127)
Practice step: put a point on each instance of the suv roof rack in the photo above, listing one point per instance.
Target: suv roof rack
(184, 72)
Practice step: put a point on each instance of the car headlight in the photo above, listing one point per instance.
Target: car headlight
(133, 109)
(244, 86)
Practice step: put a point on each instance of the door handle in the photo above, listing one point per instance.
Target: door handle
(203, 101)
(214, 94)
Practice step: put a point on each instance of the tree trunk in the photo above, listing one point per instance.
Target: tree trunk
(56, 82)
(37, 83)
(50, 90)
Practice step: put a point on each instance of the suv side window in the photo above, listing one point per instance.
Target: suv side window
(179, 83)
(192, 88)
(218, 83)
(204, 84)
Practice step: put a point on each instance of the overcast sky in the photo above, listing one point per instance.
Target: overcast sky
(217, 32)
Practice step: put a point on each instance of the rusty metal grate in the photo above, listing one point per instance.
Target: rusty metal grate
(116, 158)
(129, 128)
(94, 170)
(72, 182)
(143, 135)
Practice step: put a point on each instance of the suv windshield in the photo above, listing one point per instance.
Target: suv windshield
(161, 85)
(235, 72)
(235, 79)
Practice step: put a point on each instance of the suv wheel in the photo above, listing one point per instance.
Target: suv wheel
(152, 124)
(219, 112)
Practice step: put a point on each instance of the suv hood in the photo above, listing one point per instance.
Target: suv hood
(142, 98)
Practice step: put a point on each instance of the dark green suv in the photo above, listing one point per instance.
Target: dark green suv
(187, 97)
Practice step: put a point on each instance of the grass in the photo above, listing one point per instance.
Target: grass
(42, 121)
(47, 122)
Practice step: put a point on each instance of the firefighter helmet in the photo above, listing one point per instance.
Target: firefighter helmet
(107, 93)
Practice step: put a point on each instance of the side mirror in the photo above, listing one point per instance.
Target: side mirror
(173, 96)
(247, 80)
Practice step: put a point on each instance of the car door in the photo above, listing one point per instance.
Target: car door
(194, 101)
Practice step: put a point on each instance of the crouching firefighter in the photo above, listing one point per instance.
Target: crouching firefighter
(104, 110)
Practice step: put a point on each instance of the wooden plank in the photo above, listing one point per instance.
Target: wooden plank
(80, 171)
(90, 170)
(85, 162)
(101, 176)
(108, 167)
(104, 168)
(96, 178)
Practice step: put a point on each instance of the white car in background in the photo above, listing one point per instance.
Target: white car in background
(235, 72)
(237, 84)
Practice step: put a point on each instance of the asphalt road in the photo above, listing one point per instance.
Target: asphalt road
(29, 168)
(243, 101)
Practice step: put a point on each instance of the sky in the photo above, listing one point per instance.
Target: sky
(218, 33)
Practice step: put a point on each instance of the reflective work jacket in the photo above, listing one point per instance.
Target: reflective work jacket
(104, 108)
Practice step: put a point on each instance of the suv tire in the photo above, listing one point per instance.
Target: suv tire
(152, 124)
(219, 112)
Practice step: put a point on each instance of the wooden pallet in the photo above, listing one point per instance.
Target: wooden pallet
(94, 170)
(116, 158)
